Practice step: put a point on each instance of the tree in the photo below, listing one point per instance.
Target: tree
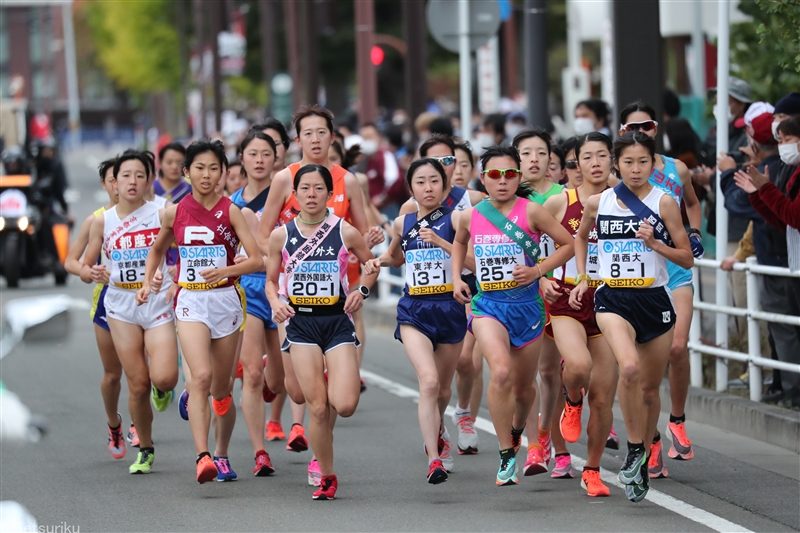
(137, 43)
(766, 51)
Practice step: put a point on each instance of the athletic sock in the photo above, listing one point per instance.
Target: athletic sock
(204, 454)
(517, 433)
(115, 428)
(544, 433)
(677, 419)
(507, 453)
(460, 413)
(150, 450)
(573, 404)
(635, 447)
(595, 468)
(657, 438)
(533, 445)
(565, 454)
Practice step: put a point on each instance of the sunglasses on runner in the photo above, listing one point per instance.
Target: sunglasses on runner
(446, 160)
(646, 125)
(571, 164)
(497, 173)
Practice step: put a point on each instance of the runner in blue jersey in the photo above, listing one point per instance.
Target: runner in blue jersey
(672, 177)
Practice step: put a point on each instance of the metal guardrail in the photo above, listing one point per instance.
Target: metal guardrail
(753, 313)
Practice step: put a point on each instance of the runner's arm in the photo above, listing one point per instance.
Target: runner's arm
(279, 192)
(681, 254)
(394, 255)
(410, 206)
(475, 197)
(90, 269)
(540, 219)
(166, 236)
(461, 241)
(458, 218)
(73, 263)
(693, 211)
(582, 237)
(252, 225)
(254, 262)
(358, 214)
(280, 309)
(355, 243)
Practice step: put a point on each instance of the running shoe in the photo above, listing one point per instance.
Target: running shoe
(314, 473)
(327, 488)
(507, 473)
(637, 491)
(681, 447)
(143, 464)
(594, 486)
(160, 398)
(266, 392)
(224, 470)
(221, 406)
(297, 439)
(467, 436)
(547, 449)
(655, 465)
(571, 421)
(563, 467)
(116, 442)
(183, 405)
(206, 470)
(631, 471)
(535, 462)
(133, 437)
(612, 442)
(263, 465)
(274, 431)
(436, 472)
(444, 455)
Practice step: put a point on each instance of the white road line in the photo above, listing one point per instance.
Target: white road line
(710, 520)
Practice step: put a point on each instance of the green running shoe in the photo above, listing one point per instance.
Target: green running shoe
(143, 464)
(631, 471)
(507, 473)
(161, 399)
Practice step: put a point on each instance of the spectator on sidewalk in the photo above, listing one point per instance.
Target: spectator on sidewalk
(592, 115)
(381, 165)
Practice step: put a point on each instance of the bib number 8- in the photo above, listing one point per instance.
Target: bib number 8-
(615, 270)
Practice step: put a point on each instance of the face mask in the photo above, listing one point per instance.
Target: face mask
(485, 140)
(775, 129)
(667, 145)
(789, 154)
(731, 116)
(583, 125)
(369, 147)
(512, 130)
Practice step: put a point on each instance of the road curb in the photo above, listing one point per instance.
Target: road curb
(762, 422)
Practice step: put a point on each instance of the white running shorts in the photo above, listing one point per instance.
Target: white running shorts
(219, 309)
(121, 305)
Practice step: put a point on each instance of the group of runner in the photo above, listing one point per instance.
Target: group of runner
(586, 287)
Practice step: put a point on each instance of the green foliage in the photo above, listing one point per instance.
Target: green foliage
(137, 43)
(767, 50)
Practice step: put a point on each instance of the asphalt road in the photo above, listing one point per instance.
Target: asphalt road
(732, 484)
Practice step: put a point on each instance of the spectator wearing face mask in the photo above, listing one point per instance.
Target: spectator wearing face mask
(738, 102)
(492, 131)
(381, 168)
(592, 115)
(516, 122)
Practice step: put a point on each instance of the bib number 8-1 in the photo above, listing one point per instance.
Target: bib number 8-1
(615, 270)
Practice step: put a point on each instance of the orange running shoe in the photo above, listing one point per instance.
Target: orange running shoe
(655, 465)
(221, 406)
(206, 470)
(297, 439)
(590, 480)
(116, 441)
(274, 431)
(681, 448)
(327, 488)
(571, 421)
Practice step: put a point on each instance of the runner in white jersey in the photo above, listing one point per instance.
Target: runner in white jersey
(144, 337)
(633, 307)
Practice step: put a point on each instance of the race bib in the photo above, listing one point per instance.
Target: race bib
(196, 259)
(547, 247)
(495, 265)
(592, 268)
(628, 263)
(428, 271)
(127, 267)
(315, 283)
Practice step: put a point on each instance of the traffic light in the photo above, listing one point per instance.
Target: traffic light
(376, 55)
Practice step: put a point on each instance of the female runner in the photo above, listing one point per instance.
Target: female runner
(207, 228)
(634, 307)
(312, 251)
(125, 234)
(505, 230)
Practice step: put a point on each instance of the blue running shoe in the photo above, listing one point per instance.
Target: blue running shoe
(507, 473)
(224, 470)
(632, 469)
(183, 405)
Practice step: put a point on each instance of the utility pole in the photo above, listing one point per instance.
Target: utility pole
(365, 70)
(308, 51)
(200, 45)
(72, 73)
(510, 60)
(293, 52)
(415, 34)
(183, 51)
(267, 10)
(536, 62)
(216, 27)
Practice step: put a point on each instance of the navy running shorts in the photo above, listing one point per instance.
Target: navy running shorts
(441, 318)
(650, 311)
(326, 331)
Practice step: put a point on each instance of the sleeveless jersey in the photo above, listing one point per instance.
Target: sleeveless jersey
(176, 194)
(429, 269)
(572, 222)
(339, 202)
(624, 259)
(547, 246)
(496, 255)
(205, 240)
(238, 200)
(319, 283)
(126, 244)
(668, 179)
(457, 199)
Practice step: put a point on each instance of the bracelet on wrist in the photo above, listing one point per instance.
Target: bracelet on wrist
(582, 277)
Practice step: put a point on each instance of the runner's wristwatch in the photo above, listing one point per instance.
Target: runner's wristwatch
(364, 291)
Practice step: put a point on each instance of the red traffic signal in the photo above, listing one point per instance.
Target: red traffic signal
(376, 55)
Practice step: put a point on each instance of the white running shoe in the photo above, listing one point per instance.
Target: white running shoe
(447, 459)
(467, 436)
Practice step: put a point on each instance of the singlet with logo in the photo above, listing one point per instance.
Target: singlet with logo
(457, 199)
(429, 269)
(319, 282)
(668, 179)
(496, 254)
(238, 200)
(572, 222)
(175, 194)
(624, 259)
(339, 201)
(547, 246)
(126, 244)
(205, 240)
